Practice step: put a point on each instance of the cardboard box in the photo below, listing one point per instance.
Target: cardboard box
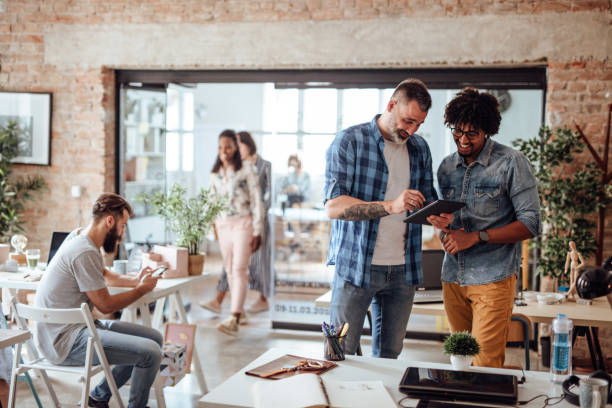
(175, 258)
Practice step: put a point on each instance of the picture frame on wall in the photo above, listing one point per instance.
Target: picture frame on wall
(32, 114)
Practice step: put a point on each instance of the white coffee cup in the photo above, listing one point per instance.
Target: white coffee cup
(120, 266)
(593, 392)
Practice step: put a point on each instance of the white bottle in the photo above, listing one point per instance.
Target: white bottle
(561, 354)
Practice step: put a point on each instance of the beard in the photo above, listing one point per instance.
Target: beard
(110, 240)
(399, 136)
(396, 134)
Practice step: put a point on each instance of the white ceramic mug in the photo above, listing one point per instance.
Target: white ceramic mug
(120, 266)
(593, 393)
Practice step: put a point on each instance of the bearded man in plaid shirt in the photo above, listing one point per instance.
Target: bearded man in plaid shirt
(375, 172)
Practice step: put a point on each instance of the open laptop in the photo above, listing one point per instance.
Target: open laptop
(56, 241)
(430, 291)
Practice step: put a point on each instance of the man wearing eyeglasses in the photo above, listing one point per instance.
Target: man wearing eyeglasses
(482, 243)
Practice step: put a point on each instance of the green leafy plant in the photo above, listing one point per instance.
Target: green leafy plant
(461, 344)
(190, 218)
(569, 197)
(14, 191)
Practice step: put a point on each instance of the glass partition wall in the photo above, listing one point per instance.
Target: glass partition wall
(168, 134)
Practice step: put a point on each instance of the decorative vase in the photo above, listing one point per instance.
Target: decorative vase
(196, 264)
(460, 362)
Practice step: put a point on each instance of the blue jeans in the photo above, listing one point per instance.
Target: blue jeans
(134, 350)
(391, 298)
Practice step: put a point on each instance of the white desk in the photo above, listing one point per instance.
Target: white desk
(166, 290)
(598, 314)
(235, 392)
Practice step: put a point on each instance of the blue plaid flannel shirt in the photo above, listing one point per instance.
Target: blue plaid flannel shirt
(356, 167)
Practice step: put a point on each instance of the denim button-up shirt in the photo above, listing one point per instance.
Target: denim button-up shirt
(498, 188)
(356, 167)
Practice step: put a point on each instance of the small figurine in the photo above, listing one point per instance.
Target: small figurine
(574, 262)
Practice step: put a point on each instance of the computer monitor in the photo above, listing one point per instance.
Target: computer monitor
(56, 241)
(431, 262)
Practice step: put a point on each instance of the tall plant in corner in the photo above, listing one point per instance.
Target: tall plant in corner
(570, 194)
(14, 191)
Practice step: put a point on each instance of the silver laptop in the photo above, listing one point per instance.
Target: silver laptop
(430, 291)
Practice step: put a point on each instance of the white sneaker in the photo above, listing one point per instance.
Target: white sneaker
(212, 306)
(259, 306)
(229, 326)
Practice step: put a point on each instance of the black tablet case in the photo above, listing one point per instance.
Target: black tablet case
(434, 208)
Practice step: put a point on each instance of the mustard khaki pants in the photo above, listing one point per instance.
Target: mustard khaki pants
(485, 311)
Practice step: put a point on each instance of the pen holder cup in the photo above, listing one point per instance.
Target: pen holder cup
(333, 348)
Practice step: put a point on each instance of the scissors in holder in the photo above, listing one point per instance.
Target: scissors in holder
(304, 365)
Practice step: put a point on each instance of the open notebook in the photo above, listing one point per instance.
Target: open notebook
(312, 391)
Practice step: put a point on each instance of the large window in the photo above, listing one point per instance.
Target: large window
(293, 116)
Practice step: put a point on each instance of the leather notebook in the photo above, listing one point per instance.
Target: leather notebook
(286, 367)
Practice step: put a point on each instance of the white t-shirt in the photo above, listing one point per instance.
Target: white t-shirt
(389, 248)
(75, 269)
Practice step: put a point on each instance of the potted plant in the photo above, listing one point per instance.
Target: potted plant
(14, 191)
(570, 196)
(189, 218)
(462, 347)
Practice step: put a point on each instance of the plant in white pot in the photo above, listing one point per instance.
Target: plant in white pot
(190, 218)
(462, 347)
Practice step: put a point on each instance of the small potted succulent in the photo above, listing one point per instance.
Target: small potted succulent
(462, 347)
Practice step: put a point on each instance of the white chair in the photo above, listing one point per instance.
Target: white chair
(81, 315)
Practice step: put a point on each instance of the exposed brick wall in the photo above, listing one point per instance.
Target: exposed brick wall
(83, 148)
(579, 93)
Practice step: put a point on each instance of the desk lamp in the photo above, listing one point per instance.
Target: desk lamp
(595, 282)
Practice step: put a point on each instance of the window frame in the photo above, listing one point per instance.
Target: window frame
(520, 77)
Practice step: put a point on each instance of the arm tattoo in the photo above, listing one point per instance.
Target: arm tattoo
(362, 212)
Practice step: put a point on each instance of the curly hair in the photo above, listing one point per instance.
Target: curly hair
(470, 107)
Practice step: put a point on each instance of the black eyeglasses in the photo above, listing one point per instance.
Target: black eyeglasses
(470, 134)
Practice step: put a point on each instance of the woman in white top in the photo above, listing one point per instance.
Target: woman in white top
(239, 227)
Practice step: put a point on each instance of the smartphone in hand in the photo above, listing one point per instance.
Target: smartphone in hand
(159, 271)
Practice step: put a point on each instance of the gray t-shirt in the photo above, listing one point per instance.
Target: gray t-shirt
(75, 269)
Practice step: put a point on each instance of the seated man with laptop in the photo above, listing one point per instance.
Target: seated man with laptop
(76, 274)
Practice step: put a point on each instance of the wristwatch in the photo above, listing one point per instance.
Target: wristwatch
(483, 236)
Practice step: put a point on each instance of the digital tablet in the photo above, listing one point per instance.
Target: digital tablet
(434, 208)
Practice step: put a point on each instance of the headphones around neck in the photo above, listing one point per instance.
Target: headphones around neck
(573, 380)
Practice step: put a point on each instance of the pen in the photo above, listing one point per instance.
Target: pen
(345, 327)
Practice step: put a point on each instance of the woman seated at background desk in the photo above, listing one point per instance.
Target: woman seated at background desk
(296, 184)
(294, 189)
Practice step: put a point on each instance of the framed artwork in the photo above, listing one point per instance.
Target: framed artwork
(182, 334)
(32, 114)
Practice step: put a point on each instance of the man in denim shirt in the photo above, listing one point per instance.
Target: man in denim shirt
(482, 244)
(375, 172)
